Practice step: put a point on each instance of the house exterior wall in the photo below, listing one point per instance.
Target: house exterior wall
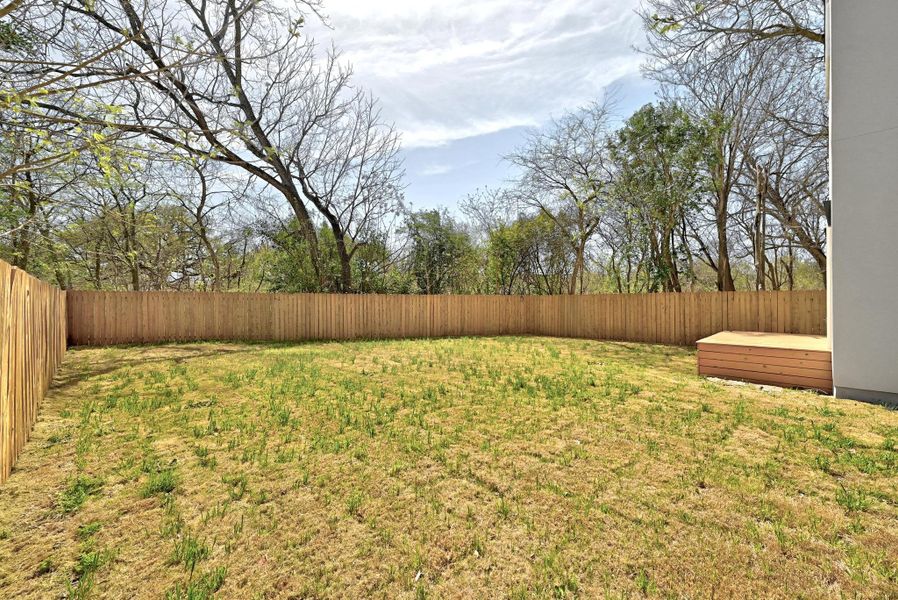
(864, 176)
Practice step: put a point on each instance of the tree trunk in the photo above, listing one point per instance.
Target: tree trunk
(577, 274)
(97, 266)
(22, 250)
(668, 260)
(216, 264)
(344, 285)
(760, 229)
(308, 232)
(724, 272)
(131, 246)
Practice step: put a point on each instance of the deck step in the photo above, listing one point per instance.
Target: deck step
(786, 360)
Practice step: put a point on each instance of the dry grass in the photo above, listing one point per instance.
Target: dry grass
(513, 467)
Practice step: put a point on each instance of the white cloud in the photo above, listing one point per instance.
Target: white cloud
(436, 169)
(418, 132)
(452, 70)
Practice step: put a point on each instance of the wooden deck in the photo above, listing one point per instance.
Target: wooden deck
(786, 360)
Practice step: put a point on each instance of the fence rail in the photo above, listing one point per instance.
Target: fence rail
(101, 318)
(32, 343)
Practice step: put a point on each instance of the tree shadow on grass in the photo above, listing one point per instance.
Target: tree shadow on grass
(105, 361)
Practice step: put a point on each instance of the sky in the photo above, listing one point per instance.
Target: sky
(464, 80)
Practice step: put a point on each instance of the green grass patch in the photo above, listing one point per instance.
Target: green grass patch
(76, 493)
(160, 482)
(494, 467)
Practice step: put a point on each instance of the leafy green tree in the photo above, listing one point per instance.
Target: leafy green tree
(508, 252)
(532, 255)
(658, 154)
(441, 252)
(286, 265)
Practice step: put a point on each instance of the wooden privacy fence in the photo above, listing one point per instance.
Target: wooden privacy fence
(32, 343)
(36, 319)
(101, 318)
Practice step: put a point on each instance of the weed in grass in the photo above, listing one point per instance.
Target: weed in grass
(824, 463)
(770, 473)
(149, 462)
(557, 580)
(159, 482)
(503, 508)
(88, 530)
(206, 459)
(78, 491)
(81, 588)
(89, 561)
(217, 512)
(852, 500)
(56, 438)
(280, 413)
(740, 412)
(831, 438)
(519, 592)
(644, 583)
(237, 528)
(203, 588)
(354, 504)
(304, 477)
(421, 591)
(284, 455)
(780, 411)
(188, 551)
(856, 526)
(172, 523)
(44, 567)
(779, 530)
(236, 485)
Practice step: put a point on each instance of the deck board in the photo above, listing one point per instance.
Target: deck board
(782, 341)
(785, 361)
(788, 360)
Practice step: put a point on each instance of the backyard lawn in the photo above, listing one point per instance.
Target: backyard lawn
(492, 467)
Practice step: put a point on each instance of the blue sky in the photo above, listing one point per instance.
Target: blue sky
(464, 80)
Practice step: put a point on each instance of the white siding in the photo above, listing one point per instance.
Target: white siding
(864, 154)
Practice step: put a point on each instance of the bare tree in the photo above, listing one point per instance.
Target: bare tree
(234, 81)
(213, 80)
(206, 193)
(565, 175)
(347, 162)
(728, 28)
(754, 70)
